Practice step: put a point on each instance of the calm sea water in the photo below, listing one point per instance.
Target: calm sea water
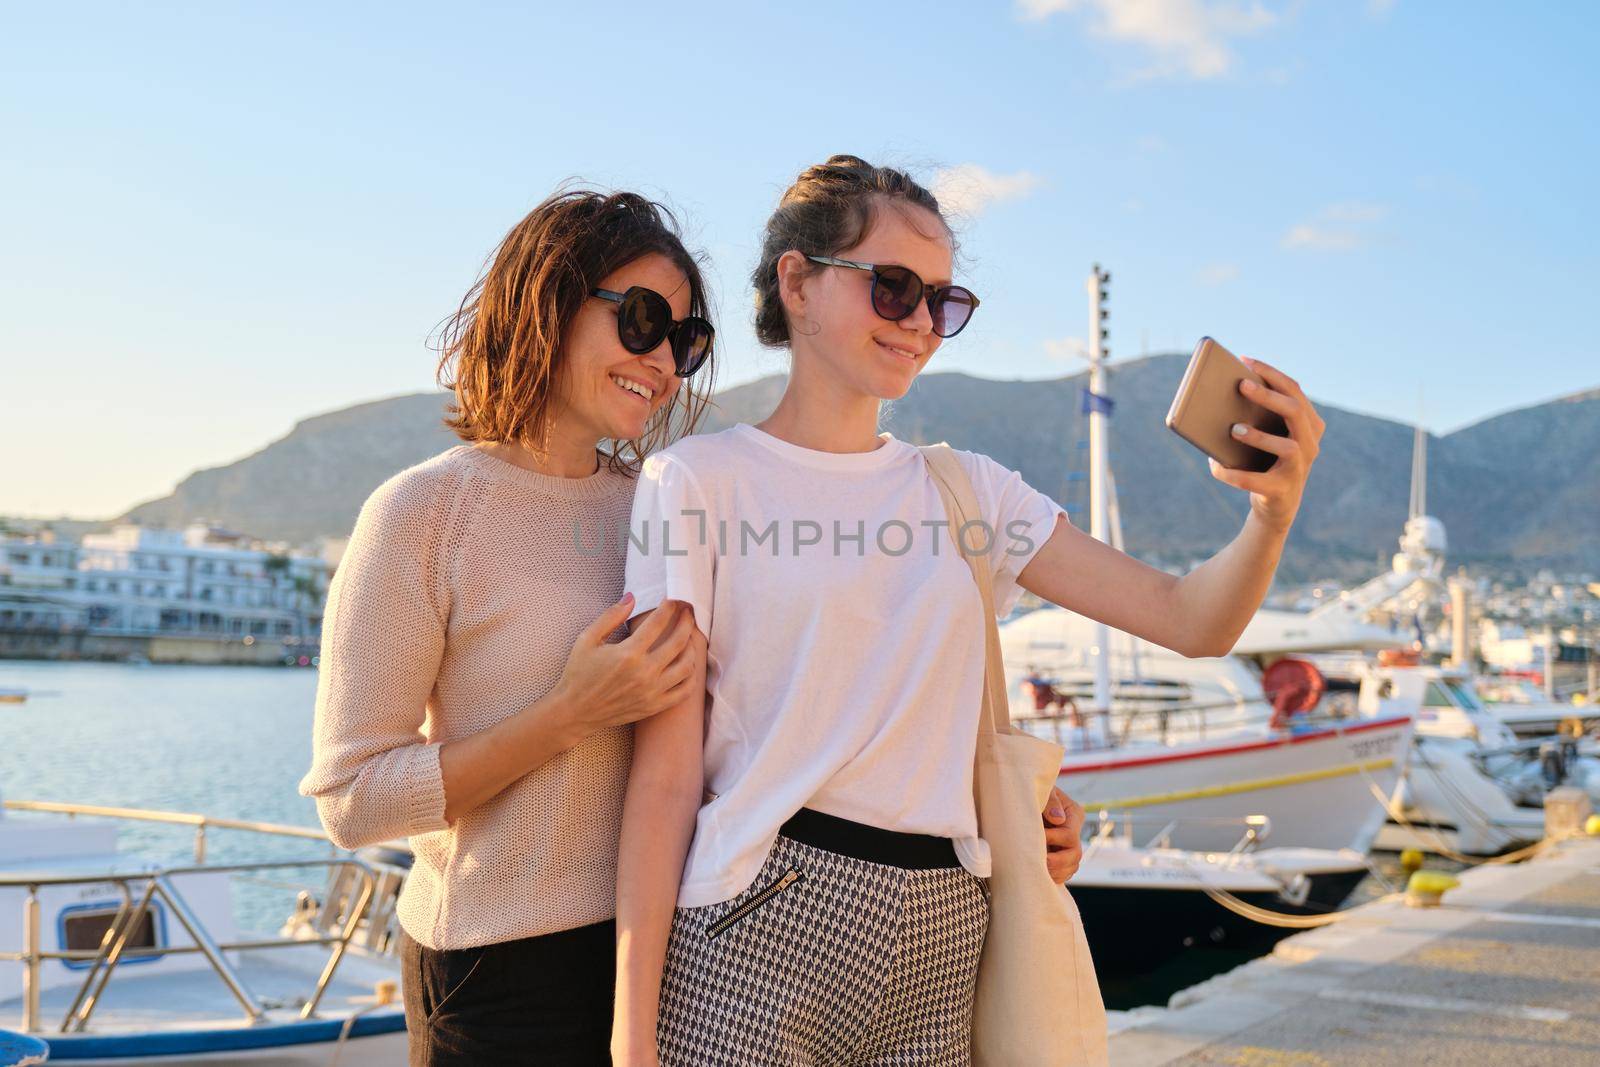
(229, 741)
(221, 741)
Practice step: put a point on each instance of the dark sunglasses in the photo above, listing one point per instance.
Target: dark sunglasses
(896, 292)
(644, 320)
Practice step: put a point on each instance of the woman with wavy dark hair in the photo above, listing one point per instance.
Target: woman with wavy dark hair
(478, 686)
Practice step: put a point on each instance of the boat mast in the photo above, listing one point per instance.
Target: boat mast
(1099, 464)
(1419, 474)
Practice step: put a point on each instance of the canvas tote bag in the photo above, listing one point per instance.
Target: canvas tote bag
(1038, 1002)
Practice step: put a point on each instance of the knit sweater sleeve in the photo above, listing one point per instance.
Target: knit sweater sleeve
(373, 773)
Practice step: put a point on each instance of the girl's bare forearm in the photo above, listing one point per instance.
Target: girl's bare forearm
(664, 793)
(1217, 599)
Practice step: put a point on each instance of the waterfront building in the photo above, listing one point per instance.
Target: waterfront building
(143, 582)
(38, 583)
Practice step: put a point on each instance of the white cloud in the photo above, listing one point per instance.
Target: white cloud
(1321, 238)
(1188, 37)
(1218, 273)
(967, 189)
(1337, 227)
(1067, 349)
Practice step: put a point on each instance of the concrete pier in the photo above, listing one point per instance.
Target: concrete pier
(1505, 972)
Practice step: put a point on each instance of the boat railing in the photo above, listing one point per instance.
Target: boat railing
(201, 823)
(1119, 827)
(1124, 724)
(138, 891)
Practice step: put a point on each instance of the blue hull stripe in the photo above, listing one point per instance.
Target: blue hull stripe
(179, 1042)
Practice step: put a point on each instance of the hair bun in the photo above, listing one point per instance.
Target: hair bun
(839, 168)
(828, 208)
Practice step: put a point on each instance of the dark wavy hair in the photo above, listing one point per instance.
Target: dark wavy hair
(501, 351)
(829, 208)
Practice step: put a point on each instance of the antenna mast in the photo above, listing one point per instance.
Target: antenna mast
(1098, 406)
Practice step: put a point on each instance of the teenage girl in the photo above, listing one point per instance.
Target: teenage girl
(476, 688)
(816, 816)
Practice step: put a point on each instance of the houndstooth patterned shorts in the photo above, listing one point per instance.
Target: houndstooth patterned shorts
(826, 960)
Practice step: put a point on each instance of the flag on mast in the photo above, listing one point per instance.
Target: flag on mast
(1093, 402)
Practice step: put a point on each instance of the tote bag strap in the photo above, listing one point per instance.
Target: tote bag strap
(961, 509)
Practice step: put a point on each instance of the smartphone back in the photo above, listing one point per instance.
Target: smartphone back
(1208, 403)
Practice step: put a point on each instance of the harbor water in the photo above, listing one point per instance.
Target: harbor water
(230, 742)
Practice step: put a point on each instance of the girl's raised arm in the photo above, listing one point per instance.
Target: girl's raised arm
(1203, 612)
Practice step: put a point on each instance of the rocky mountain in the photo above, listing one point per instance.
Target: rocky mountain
(1519, 488)
(311, 482)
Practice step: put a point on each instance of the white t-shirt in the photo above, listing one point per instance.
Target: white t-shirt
(845, 653)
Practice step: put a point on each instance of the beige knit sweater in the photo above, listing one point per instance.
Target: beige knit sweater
(461, 593)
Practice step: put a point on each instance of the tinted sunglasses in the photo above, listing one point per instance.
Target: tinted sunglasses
(896, 292)
(644, 320)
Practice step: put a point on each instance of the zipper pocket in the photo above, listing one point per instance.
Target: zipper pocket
(718, 928)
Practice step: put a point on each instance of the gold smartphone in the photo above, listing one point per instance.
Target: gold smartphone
(1208, 403)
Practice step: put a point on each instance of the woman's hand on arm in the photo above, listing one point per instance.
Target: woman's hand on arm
(603, 685)
(665, 787)
(1203, 612)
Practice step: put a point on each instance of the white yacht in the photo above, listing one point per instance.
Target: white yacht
(112, 959)
(1524, 708)
(1199, 741)
(1473, 786)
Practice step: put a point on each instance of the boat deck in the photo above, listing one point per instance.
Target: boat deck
(197, 999)
(1507, 972)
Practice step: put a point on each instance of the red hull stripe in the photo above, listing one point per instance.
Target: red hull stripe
(1296, 739)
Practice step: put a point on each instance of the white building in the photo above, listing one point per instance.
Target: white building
(135, 580)
(38, 584)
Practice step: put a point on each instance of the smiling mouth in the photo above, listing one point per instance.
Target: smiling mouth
(896, 350)
(637, 389)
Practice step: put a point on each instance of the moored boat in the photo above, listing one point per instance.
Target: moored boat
(113, 959)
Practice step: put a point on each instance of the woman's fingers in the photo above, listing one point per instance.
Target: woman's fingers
(1276, 378)
(672, 697)
(655, 623)
(1298, 418)
(675, 642)
(1267, 442)
(1284, 396)
(1271, 399)
(1249, 481)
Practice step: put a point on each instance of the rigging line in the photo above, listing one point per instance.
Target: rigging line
(1281, 919)
(1286, 920)
(1435, 832)
(1484, 820)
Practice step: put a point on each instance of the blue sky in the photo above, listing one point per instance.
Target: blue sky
(220, 218)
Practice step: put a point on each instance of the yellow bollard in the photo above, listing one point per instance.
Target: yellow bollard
(1427, 888)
